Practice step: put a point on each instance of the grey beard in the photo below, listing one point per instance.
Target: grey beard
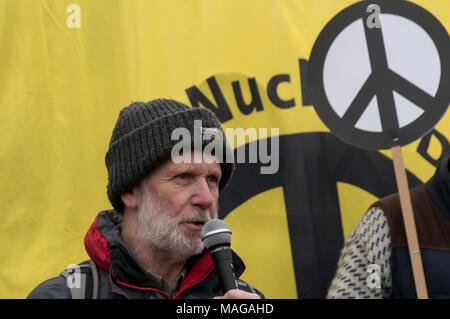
(155, 228)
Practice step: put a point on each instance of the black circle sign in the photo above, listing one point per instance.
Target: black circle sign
(382, 82)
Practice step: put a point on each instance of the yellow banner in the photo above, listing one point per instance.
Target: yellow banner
(69, 66)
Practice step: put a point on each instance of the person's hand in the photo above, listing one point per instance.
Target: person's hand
(238, 294)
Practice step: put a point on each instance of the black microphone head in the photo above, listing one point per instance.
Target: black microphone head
(216, 232)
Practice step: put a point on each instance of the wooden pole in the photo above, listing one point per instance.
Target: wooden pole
(410, 225)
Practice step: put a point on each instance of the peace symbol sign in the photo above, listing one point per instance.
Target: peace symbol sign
(378, 87)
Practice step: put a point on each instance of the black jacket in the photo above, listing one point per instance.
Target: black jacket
(121, 276)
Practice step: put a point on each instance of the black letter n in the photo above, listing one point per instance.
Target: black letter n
(197, 97)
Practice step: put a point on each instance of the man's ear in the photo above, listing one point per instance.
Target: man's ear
(130, 198)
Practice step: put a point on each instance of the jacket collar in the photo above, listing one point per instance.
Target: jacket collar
(438, 187)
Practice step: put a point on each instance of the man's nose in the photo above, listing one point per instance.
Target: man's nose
(203, 197)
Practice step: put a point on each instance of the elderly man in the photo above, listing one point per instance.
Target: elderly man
(150, 245)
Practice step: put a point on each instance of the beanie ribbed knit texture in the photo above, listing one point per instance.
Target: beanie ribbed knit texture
(141, 141)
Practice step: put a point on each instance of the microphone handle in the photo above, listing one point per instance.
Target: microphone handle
(223, 262)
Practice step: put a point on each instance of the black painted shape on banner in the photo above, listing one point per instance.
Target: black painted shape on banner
(303, 67)
(422, 149)
(272, 87)
(310, 166)
(255, 104)
(383, 81)
(197, 97)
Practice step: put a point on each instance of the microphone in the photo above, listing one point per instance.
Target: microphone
(216, 236)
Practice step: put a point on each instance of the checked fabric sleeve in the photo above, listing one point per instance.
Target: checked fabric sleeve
(369, 244)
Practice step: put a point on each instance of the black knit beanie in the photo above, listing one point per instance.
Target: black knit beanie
(141, 141)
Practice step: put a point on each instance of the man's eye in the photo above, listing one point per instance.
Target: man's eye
(184, 177)
(213, 179)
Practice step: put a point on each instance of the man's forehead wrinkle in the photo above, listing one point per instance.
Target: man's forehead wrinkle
(194, 167)
(171, 168)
